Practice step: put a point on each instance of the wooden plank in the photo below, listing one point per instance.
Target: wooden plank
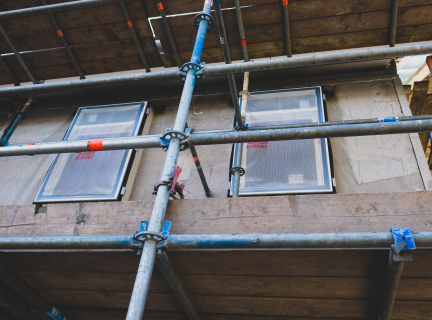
(92, 313)
(299, 9)
(231, 285)
(302, 213)
(413, 310)
(414, 137)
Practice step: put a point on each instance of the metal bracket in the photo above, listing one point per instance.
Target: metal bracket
(172, 185)
(184, 69)
(169, 134)
(140, 237)
(404, 241)
(244, 128)
(247, 93)
(204, 16)
(234, 169)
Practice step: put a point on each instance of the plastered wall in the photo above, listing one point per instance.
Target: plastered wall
(361, 164)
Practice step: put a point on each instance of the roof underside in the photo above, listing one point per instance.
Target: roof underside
(102, 43)
(229, 285)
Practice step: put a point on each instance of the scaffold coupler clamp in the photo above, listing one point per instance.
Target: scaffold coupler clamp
(141, 236)
(244, 128)
(404, 242)
(184, 69)
(163, 245)
(204, 16)
(240, 169)
(173, 186)
(170, 134)
(247, 93)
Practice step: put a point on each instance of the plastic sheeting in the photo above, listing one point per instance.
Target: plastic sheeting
(294, 166)
(93, 175)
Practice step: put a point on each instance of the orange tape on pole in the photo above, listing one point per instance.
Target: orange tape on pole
(160, 6)
(95, 145)
(60, 33)
(243, 42)
(195, 159)
(285, 3)
(31, 144)
(130, 24)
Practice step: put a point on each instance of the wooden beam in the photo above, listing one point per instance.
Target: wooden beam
(290, 214)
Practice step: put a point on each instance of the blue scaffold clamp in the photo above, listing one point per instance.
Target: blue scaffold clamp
(204, 16)
(404, 242)
(55, 314)
(184, 69)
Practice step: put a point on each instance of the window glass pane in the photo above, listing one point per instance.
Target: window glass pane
(93, 175)
(293, 166)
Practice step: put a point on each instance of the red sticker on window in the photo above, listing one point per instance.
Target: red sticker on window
(95, 145)
(60, 33)
(243, 42)
(85, 155)
(259, 145)
(160, 6)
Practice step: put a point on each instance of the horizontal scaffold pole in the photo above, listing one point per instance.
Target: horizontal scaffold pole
(58, 7)
(175, 242)
(214, 137)
(217, 70)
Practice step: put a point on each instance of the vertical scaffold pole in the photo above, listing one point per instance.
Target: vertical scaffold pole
(145, 269)
(238, 150)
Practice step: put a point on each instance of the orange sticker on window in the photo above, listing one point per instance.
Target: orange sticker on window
(130, 24)
(160, 6)
(243, 42)
(95, 145)
(285, 2)
(60, 33)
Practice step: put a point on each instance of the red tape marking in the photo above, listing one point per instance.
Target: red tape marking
(243, 42)
(160, 6)
(259, 145)
(95, 145)
(60, 33)
(195, 159)
(31, 143)
(285, 3)
(130, 24)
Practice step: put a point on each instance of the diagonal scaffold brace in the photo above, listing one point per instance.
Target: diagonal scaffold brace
(204, 22)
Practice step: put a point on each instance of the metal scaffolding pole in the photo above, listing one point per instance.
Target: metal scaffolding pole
(217, 70)
(203, 138)
(227, 59)
(17, 54)
(176, 242)
(241, 30)
(134, 36)
(65, 42)
(58, 7)
(287, 28)
(168, 33)
(175, 283)
(200, 171)
(393, 275)
(393, 22)
(148, 256)
(8, 276)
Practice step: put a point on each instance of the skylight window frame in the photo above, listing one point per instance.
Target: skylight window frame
(325, 153)
(125, 163)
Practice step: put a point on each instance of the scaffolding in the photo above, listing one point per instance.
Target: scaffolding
(152, 243)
